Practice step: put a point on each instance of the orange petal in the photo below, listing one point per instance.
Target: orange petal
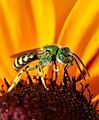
(92, 47)
(62, 10)
(93, 85)
(44, 16)
(95, 98)
(78, 24)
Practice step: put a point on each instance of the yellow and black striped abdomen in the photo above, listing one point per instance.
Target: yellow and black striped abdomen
(23, 60)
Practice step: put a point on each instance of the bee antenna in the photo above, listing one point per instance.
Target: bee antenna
(79, 68)
(81, 63)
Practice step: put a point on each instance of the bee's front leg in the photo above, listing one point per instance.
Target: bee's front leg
(56, 68)
(64, 67)
(18, 77)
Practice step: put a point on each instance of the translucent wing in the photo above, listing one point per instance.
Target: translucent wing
(35, 51)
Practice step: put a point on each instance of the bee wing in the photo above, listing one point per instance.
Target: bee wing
(35, 51)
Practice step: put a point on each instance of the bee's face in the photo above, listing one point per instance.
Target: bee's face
(64, 55)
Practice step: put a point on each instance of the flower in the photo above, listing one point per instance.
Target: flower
(36, 23)
(64, 102)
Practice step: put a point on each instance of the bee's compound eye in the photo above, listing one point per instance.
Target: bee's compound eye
(62, 57)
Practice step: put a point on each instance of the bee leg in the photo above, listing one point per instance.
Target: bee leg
(29, 68)
(56, 67)
(16, 80)
(65, 67)
(18, 77)
(41, 73)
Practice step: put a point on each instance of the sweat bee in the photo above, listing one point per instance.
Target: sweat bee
(46, 55)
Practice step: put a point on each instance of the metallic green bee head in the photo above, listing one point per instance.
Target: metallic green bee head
(64, 55)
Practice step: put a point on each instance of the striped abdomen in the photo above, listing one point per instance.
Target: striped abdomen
(23, 60)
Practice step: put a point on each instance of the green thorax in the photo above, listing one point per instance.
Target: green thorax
(49, 52)
(52, 49)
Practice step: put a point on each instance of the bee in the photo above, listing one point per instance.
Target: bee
(46, 55)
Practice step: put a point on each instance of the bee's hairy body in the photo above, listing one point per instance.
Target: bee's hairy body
(45, 55)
